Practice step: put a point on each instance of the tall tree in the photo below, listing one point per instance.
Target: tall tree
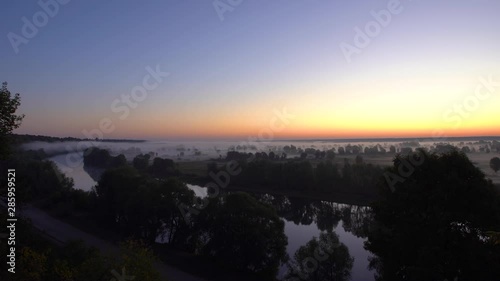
(495, 164)
(8, 118)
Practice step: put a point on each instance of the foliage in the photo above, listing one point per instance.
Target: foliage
(33, 264)
(432, 227)
(301, 175)
(96, 157)
(137, 259)
(139, 206)
(495, 164)
(41, 180)
(321, 259)
(8, 118)
(240, 232)
(163, 168)
(141, 162)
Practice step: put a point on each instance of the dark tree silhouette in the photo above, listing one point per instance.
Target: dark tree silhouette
(392, 149)
(141, 162)
(321, 259)
(244, 234)
(433, 225)
(495, 164)
(142, 207)
(272, 155)
(101, 158)
(8, 119)
(162, 168)
(359, 160)
(466, 149)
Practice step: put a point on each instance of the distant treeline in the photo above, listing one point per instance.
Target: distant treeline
(356, 149)
(20, 139)
(101, 158)
(271, 172)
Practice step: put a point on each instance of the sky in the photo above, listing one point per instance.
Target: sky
(186, 69)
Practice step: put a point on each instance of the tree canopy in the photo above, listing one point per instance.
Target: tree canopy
(8, 118)
(495, 164)
(433, 224)
(244, 233)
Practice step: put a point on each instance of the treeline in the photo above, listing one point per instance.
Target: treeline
(299, 174)
(24, 138)
(356, 149)
(157, 167)
(101, 158)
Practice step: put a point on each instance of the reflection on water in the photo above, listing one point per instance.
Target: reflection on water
(198, 190)
(298, 235)
(305, 219)
(74, 169)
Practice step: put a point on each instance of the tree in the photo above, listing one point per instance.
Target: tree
(162, 168)
(272, 155)
(243, 233)
(359, 160)
(495, 164)
(140, 206)
(392, 149)
(118, 161)
(330, 154)
(141, 162)
(323, 259)
(431, 224)
(101, 158)
(8, 119)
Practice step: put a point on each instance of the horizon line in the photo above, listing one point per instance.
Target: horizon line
(360, 139)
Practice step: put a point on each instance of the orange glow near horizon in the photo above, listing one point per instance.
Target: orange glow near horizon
(420, 106)
(234, 131)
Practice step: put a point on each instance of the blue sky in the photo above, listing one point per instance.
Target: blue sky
(226, 77)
